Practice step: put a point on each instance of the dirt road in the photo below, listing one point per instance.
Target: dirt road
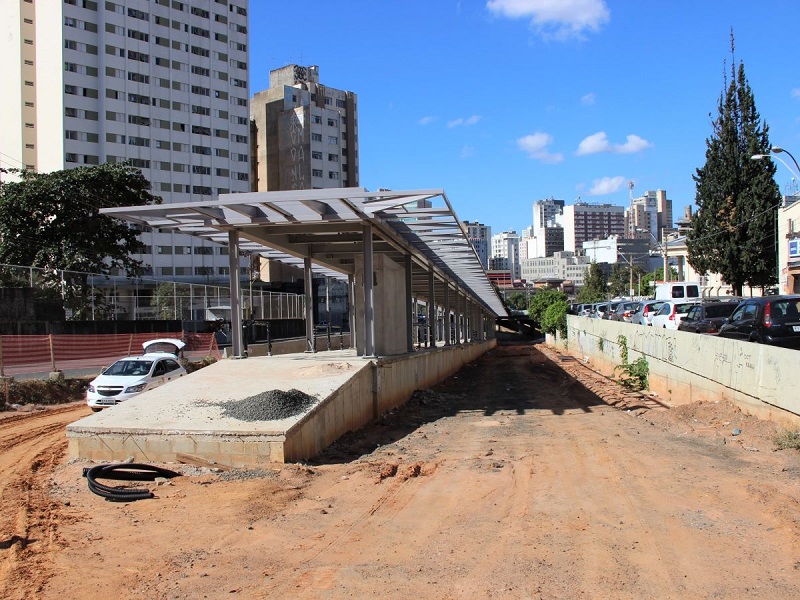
(510, 480)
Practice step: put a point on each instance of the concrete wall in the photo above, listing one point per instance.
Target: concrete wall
(372, 392)
(390, 318)
(338, 342)
(688, 367)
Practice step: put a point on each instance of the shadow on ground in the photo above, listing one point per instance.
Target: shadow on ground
(513, 378)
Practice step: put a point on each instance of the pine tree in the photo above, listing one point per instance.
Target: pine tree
(733, 231)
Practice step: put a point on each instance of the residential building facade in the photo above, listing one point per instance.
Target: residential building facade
(583, 222)
(160, 84)
(505, 253)
(564, 266)
(304, 134)
(480, 236)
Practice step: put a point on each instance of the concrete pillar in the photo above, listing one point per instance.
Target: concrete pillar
(431, 339)
(448, 333)
(308, 290)
(369, 295)
(409, 305)
(236, 293)
(351, 289)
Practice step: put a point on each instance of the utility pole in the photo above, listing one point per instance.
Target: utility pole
(664, 249)
(630, 268)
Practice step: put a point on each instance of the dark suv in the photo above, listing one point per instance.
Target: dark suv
(771, 320)
(707, 317)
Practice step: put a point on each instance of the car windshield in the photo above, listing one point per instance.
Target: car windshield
(720, 310)
(129, 368)
(683, 308)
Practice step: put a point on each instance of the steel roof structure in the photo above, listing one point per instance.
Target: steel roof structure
(328, 226)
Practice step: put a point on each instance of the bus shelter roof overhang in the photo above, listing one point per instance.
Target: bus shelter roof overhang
(328, 225)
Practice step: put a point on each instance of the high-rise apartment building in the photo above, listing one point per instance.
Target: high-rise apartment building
(651, 212)
(479, 235)
(583, 222)
(162, 84)
(305, 134)
(545, 213)
(505, 253)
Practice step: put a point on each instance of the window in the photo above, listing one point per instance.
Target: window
(138, 77)
(221, 152)
(316, 172)
(200, 31)
(240, 83)
(328, 100)
(138, 14)
(200, 12)
(140, 56)
(341, 104)
(316, 137)
(332, 123)
(138, 141)
(202, 190)
(332, 139)
(163, 249)
(138, 35)
(316, 119)
(201, 91)
(223, 173)
(201, 170)
(204, 270)
(200, 110)
(316, 154)
(200, 71)
(204, 250)
(242, 176)
(221, 133)
(242, 139)
(333, 175)
(70, 44)
(201, 150)
(200, 130)
(333, 157)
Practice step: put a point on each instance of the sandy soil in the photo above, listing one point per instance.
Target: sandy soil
(524, 476)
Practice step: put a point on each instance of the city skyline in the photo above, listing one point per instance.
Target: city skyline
(505, 103)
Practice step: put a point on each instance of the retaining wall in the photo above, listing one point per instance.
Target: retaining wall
(687, 367)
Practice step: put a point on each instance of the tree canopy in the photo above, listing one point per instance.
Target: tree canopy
(733, 230)
(594, 285)
(52, 221)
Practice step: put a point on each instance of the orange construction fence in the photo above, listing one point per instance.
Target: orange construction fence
(23, 354)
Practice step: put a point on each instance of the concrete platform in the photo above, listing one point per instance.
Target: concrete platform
(183, 417)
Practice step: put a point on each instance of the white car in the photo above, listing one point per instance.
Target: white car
(645, 313)
(132, 375)
(671, 312)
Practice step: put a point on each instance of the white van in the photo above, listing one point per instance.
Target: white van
(678, 290)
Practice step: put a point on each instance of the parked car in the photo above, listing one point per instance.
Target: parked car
(624, 311)
(671, 312)
(611, 307)
(644, 314)
(707, 317)
(132, 375)
(773, 320)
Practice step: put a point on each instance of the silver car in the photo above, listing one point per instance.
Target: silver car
(644, 315)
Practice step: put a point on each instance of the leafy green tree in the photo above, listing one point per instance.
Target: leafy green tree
(541, 300)
(620, 280)
(170, 300)
(734, 227)
(517, 300)
(594, 286)
(51, 221)
(554, 318)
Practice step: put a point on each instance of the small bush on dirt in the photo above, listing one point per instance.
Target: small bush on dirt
(632, 375)
(36, 391)
(192, 366)
(786, 439)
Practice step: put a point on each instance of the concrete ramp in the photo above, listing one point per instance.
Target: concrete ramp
(186, 416)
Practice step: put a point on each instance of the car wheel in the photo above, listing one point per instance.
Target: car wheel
(755, 339)
(95, 409)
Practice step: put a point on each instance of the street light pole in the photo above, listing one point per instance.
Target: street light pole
(663, 245)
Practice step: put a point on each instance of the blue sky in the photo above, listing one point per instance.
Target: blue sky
(505, 102)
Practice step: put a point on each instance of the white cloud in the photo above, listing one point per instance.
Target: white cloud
(466, 122)
(606, 185)
(589, 99)
(560, 19)
(598, 142)
(426, 120)
(536, 146)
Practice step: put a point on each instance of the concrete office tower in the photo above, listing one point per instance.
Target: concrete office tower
(305, 134)
(652, 211)
(583, 222)
(479, 236)
(159, 83)
(505, 253)
(545, 213)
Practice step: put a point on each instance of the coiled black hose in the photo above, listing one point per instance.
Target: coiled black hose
(127, 472)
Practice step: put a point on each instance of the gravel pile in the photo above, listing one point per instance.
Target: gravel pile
(272, 405)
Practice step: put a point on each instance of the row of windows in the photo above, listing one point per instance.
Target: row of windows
(199, 250)
(177, 271)
(176, 167)
(173, 105)
(174, 64)
(181, 188)
(78, 24)
(174, 125)
(332, 139)
(160, 61)
(180, 6)
(316, 154)
(89, 4)
(316, 119)
(319, 173)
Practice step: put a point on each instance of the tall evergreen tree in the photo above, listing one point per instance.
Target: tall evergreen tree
(733, 231)
(594, 285)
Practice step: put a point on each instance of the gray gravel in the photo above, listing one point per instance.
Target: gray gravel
(272, 405)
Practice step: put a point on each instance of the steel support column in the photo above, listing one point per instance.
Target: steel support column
(351, 289)
(431, 309)
(236, 310)
(409, 305)
(308, 290)
(369, 295)
(448, 332)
